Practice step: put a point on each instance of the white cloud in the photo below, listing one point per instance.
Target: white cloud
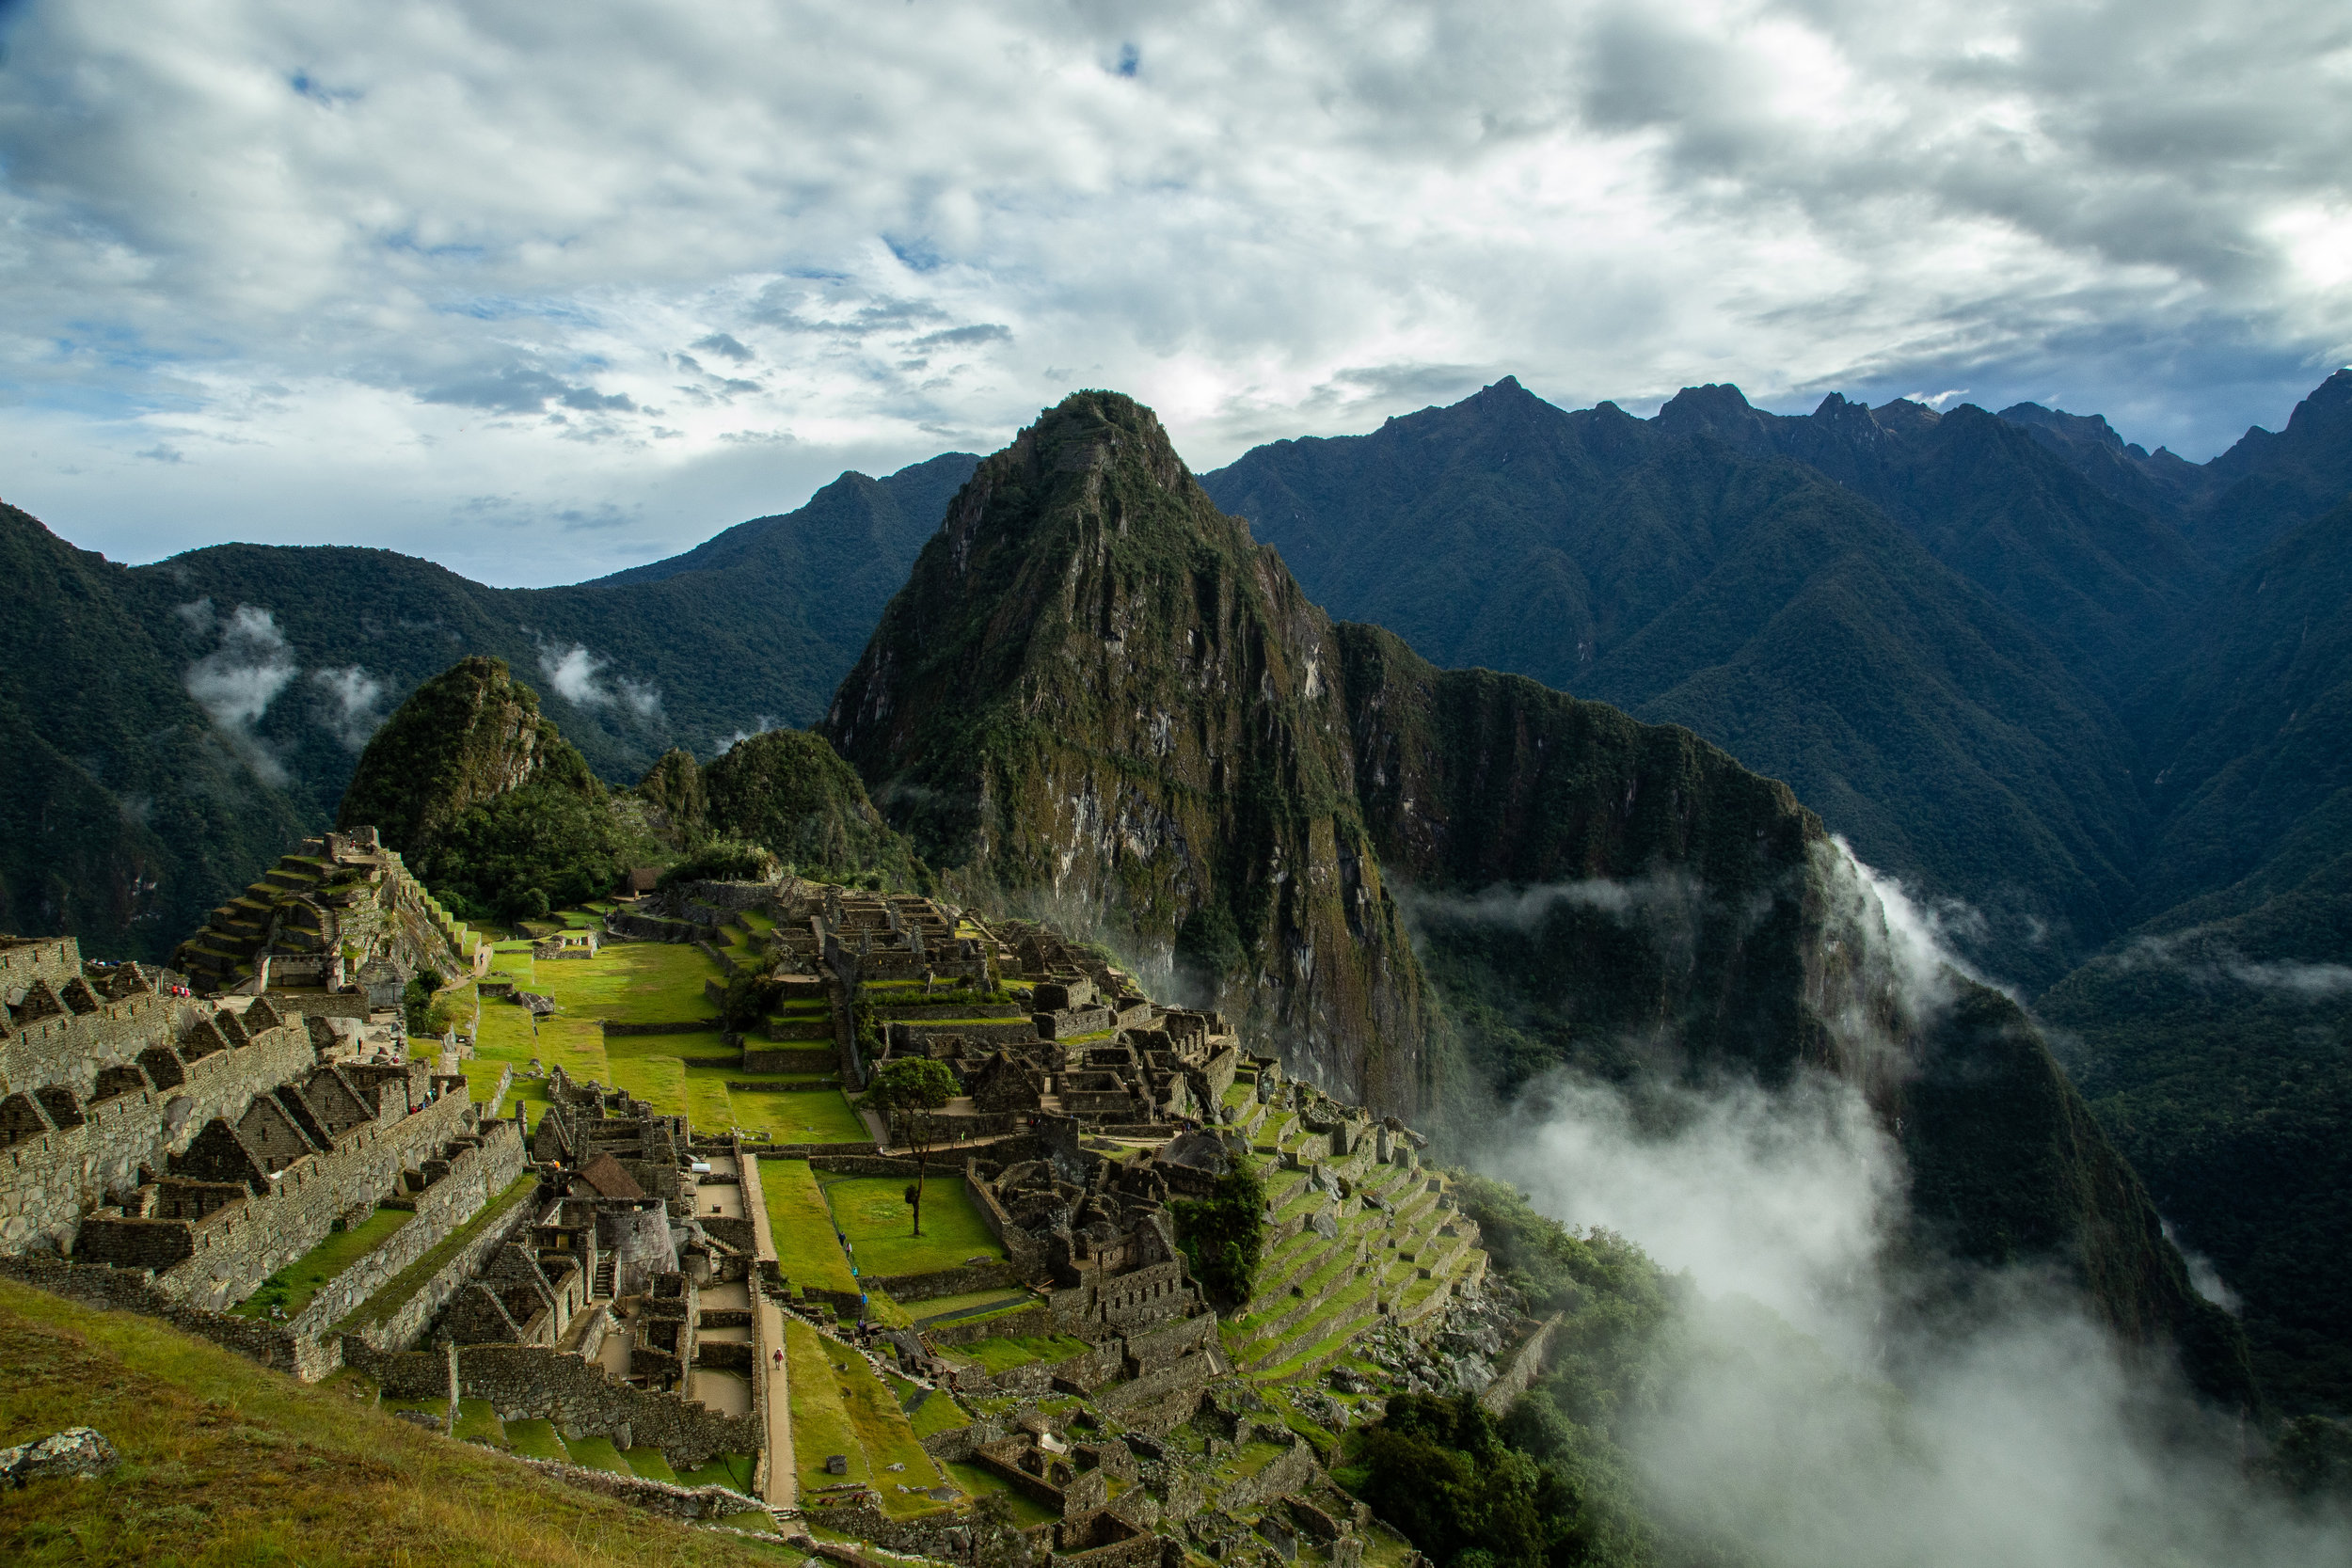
(2208, 960)
(237, 681)
(2012, 1433)
(354, 703)
(577, 675)
(367, 263)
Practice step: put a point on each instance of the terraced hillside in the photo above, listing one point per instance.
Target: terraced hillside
(1354, 1243)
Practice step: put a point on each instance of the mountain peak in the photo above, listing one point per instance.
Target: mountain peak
(1717, 409)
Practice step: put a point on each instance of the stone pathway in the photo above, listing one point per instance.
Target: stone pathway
(783, 1485)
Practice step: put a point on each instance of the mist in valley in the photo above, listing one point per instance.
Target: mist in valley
(1805, 1412)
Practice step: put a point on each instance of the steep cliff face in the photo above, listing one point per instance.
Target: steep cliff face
(1588, 889)
(1098, 699)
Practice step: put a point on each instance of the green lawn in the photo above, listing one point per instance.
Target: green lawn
(292, 1285)
(802, 1226)
(978, 1482)
(938, 1414)
(871, 1210)
(1003, 1356)
(806, 1116)
(598, 1453)
(476, 1419)
(820, 1416)
(840, 1406)
(1001, 1295)
(733, 1470)
(536, 1440)
(633, 982)
(650, 1464)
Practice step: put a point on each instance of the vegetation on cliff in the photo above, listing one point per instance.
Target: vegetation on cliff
(1096, 699)
(790, 793)
(489, 805)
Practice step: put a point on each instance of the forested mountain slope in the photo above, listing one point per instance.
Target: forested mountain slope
(177, 723)
(1099, 696)
(1705, 579)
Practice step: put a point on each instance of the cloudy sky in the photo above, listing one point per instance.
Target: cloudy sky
(542, 290)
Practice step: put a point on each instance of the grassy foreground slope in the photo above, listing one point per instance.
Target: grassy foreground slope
(225, 1462)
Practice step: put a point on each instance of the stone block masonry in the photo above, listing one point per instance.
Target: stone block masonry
(49, 1181)
(232, 1249)
(532, 1382)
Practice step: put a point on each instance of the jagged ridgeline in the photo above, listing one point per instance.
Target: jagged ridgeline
(1099, 700)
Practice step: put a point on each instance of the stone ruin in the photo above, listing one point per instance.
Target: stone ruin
(205, 1143)
(339, 926)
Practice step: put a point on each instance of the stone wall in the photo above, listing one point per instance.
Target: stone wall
(1518, 1370)
(476, 1176)
(48, 1182)
(820, 1056)
(235, 1249)
(904, 1288)
(405, 1325)
(1025, 1252)
(69, 1048)
(534, 1382)
(1030, 1323)
(272, 1344)
(655, 1497)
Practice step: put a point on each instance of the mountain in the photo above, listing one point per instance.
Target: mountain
(791, 794)
(492, 809)
(750, 630)
(1099, 696)
(2236, 506)
(174, 725)
(2215, 1038)
(125, 812)
(1708, 578)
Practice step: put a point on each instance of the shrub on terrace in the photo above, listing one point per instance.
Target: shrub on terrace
(1223, 1235)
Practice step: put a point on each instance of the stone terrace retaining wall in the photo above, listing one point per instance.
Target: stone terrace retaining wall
(947, 1282)
(475, 1176)
(1521, 1370)
(272, 1344)
(238, 1248)
(307, 1346)
(525, 1382)
(403, 1328)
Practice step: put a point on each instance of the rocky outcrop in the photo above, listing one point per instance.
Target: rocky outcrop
(1097, 701)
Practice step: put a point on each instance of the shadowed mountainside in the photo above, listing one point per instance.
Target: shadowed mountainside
(174, 725)
(1691, 572)
(1098, 697)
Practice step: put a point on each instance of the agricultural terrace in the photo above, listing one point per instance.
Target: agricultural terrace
(683, 1073)
(840, 1406)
